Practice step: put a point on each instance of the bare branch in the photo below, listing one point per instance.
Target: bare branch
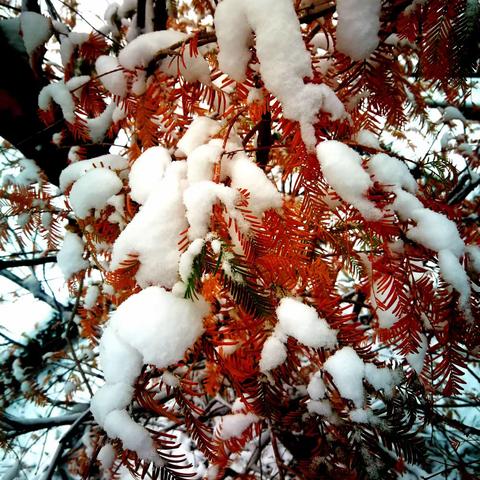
(26, 262)
(64, 442)
(34, 288)
(13, 426)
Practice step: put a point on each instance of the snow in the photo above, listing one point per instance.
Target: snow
(29, 174)
(452, 113)
(70, 256)
(320, 407)
(391, 172)
(183, 194)
(110, 73)
(405, 203)
(435, 231)
(192, 68)
(323, 41)
(36, 30)
(76, 84)
(187, 258)
(57, 138)
(76, 170)
(91, 296)
(106, 456)
(142, 50)
(150, 327)
(118, 424)
(347, 371)
(73, 154)
(112, 396)
(367, 139)
(235, 424)
(316, 388)
(68, 44)
(302, 322)
(170, 379)
(18, 371)
(454, 274)
(381, 378)
(147, 172)
(92, 191)
(98, 126)
(255, 95)
(13, 471)
(120, 362)
(163, 217)
(199, 199)
(198, 133)
(245, 174)
(342, 168)
(234, 43)
(202, 159)
(274, 353)
(359, 415)
(284, 59)
(59, 93)
(358, 27)
(179, 320)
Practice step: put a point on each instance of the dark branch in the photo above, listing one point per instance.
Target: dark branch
(14, 426)
(34, 287)
(160, 15)
(141, 14)
(64, 441)
(26, 262)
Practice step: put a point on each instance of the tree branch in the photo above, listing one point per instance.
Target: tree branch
(160, 15)
(14, 426)
(26, 262)
(34, 288)
(63, 443)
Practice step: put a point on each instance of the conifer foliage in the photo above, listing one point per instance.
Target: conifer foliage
(269, 278)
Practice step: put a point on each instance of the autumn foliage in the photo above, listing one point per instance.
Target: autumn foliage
(370, 280)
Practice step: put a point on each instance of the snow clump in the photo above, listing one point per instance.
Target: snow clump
(284, 59)
(166, 326)
(358, 27)
(301, 322)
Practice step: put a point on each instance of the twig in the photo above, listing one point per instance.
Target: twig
(12, 341)
(88, 23)
(37, 292)
(69, 341)
(278, 457)
(62, 443)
